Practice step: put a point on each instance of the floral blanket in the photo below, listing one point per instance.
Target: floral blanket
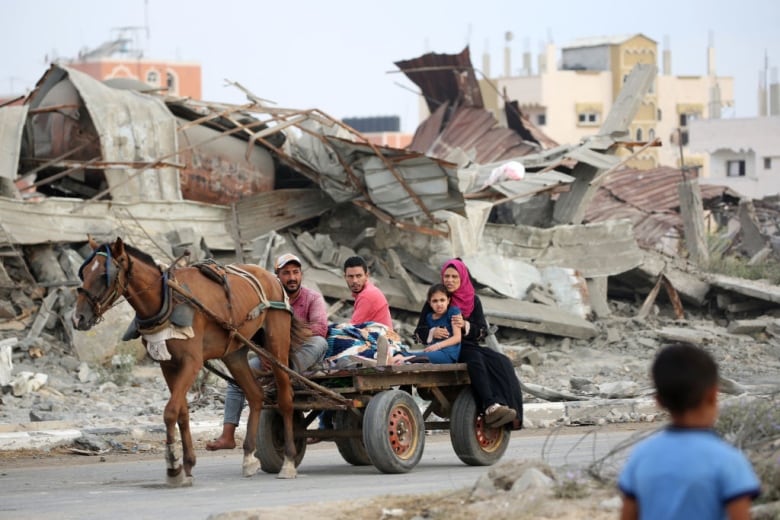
(345, 339)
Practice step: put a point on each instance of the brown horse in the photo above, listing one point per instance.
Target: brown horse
(222, 310)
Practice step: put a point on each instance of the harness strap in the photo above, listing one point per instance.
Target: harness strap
(160, 320)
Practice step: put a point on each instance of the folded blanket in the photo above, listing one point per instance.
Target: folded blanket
(345, 339)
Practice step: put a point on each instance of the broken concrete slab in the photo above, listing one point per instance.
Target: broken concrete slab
(600, 249)
(748, 326)
(692, 287)
(754, 288)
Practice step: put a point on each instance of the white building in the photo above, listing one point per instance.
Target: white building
(744, 154)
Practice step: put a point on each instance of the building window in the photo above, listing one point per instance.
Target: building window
(588, 118)
(638, 134)
(659, 114)
(651, 134)
(735, 168)
(541, 119)
(767, 163)
(687, 117)
(153, 78)
(171, 82)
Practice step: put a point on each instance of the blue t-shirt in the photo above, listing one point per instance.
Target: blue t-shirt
(444, 321)
(447, 354)
(686, 473)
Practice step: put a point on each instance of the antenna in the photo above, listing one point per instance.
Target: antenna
(146, 26)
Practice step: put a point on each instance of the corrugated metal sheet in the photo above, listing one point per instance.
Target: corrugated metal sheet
(444, 78)
(263, 212)
(649, 199)
(132, 127)
(12, 120)
(458, 118)
(426, 134)
(472, 129)
(432, 181)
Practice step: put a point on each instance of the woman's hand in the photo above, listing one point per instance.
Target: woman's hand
(458, 321)
(440, 333)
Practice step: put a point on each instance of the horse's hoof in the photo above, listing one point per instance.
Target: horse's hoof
(180, 480)
(250, 465)
(288, 471)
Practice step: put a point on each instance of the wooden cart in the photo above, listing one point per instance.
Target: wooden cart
(378, 422)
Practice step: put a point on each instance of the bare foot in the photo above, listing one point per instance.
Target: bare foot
(221, 443)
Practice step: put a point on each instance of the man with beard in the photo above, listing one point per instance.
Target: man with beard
(370, 303)
(308, 306)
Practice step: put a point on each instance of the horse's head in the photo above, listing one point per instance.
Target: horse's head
(104, 275)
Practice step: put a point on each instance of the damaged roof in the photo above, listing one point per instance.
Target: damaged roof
(649, 199)
(458, 117)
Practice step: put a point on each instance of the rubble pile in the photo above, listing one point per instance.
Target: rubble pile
(584, 265)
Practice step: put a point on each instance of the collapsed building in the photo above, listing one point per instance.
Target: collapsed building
(549, 231)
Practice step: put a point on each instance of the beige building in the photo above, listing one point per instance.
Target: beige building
(569, 99)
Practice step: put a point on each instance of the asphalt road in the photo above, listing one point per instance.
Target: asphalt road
(133, 488)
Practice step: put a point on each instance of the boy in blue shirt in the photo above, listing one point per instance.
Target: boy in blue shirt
(687, 471)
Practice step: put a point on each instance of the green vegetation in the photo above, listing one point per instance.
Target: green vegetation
(728, 263)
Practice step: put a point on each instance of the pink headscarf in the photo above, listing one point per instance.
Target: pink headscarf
(463, 297)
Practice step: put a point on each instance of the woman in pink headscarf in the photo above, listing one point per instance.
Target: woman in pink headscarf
(493, 380)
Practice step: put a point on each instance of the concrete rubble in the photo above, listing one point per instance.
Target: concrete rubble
(571, 255)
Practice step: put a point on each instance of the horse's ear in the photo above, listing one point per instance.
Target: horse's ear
(118, 247)
(92, 242)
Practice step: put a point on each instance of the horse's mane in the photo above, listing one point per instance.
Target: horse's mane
(140, 255)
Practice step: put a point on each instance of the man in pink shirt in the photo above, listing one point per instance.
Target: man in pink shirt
(308, 306)
(370, 303)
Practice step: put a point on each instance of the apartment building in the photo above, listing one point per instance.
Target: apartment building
(568, 98)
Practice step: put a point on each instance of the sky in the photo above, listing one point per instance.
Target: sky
(338, 56)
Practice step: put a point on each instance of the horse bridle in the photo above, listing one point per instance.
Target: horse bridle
(114, 270)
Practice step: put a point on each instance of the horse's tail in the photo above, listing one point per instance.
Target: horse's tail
(299, 333)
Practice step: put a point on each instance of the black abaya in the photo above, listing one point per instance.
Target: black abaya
(493, 378)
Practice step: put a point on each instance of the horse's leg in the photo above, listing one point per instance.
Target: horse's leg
(179, 378)
(277, 329)
(237, 363)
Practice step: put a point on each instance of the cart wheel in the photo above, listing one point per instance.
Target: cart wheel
(474, 442)
(393, 432)
(270, 440)
(352, 449)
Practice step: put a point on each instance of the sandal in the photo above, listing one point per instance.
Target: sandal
(498, 415)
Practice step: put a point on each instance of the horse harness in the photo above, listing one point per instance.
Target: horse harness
(176, 309)
(113, 270)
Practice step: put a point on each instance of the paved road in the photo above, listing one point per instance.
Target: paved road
(133, 489)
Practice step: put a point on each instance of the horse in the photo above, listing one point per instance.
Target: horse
(188, 315)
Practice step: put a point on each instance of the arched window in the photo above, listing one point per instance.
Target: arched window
(638, 134)
(170, 82)
(651, 134)
(153, 78)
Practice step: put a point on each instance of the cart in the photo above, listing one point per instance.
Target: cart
(377, 421)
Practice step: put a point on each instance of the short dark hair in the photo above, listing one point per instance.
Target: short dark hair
(682, 374)
(437, 287)
(355, 261)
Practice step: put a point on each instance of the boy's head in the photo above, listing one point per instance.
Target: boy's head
(684, 376)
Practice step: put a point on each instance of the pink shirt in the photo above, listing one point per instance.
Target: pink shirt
(371, 305)
(309, 307)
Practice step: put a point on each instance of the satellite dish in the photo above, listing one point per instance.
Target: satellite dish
(508, 36)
